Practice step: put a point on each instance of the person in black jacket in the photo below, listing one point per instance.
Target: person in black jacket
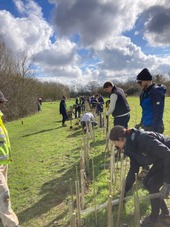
(146, 148)
(119, 107)
(63, 111)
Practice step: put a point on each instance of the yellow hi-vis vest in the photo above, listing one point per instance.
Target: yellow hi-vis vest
(5, 155)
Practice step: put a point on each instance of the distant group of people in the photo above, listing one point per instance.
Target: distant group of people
(95, 104)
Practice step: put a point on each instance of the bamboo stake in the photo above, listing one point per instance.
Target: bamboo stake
(74, 220)
(71, 190)
(94, 139)
(136, 203)
(87, 156)
(82, 188)
(112, 165)
(107, 141)
(122, 171)
(107, 134)
(78, 199)
(110, 213)
(71, 214)
(121, 203)
(94, 191)
(78, 204)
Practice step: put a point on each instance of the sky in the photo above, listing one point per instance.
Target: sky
(74, 42)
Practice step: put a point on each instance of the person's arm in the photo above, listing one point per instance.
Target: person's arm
(158, 109)
(113, 99)
(130, 179)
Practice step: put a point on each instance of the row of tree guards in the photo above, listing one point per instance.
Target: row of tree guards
(77, 210)
(118, 170)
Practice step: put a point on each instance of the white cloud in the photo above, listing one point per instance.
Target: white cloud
(94, 20)
(100, 26)
(61, 53)
(157, 27)
(29, 35)
(28, 9)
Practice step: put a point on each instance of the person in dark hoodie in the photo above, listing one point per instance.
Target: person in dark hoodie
(63, 111)
(152, 99)
(146, 148)
(119, 107)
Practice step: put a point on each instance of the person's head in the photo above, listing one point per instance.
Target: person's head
(107, 87)
(2, 98)
(118, 136)
(64, 97)
(144, 78)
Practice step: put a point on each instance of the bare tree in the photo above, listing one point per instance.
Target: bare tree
(92, 87)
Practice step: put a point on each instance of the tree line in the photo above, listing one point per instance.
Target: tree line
(19, 84)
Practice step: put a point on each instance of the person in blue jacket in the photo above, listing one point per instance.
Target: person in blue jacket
(63, 111)
(152, 99)
(146, 148)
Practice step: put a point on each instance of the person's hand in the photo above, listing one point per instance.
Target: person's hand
(164, 192)
(137, 126)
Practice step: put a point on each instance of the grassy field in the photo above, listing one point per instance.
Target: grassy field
(45, 157)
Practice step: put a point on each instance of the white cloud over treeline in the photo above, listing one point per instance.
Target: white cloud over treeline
(91, 39)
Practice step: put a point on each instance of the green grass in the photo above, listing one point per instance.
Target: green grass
(45, 157)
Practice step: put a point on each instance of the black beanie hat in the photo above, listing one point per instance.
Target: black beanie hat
(144, 75)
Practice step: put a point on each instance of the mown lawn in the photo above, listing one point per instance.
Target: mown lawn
(45, 157)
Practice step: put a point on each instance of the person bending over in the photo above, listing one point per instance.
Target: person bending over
(147, 148)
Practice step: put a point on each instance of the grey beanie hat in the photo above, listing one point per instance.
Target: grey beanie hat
(2, 98)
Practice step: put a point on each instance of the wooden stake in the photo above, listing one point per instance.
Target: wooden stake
(78, 204)
(71, 214)
(94, 191)
(82, 188)
(71, 191)
(74, 220)
(136, 203)
(110, 212)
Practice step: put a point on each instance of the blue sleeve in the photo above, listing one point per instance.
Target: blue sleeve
(158, 108)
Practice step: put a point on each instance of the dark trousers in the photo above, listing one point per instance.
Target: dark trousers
(123, 121)
(64, 118)
(152, 182)
(77, 112)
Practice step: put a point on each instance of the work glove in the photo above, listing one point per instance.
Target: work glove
(137, 126)
(164, 192)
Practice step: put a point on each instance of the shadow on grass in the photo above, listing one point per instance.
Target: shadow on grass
(42, 131)
(54, 193)
(75, 134)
